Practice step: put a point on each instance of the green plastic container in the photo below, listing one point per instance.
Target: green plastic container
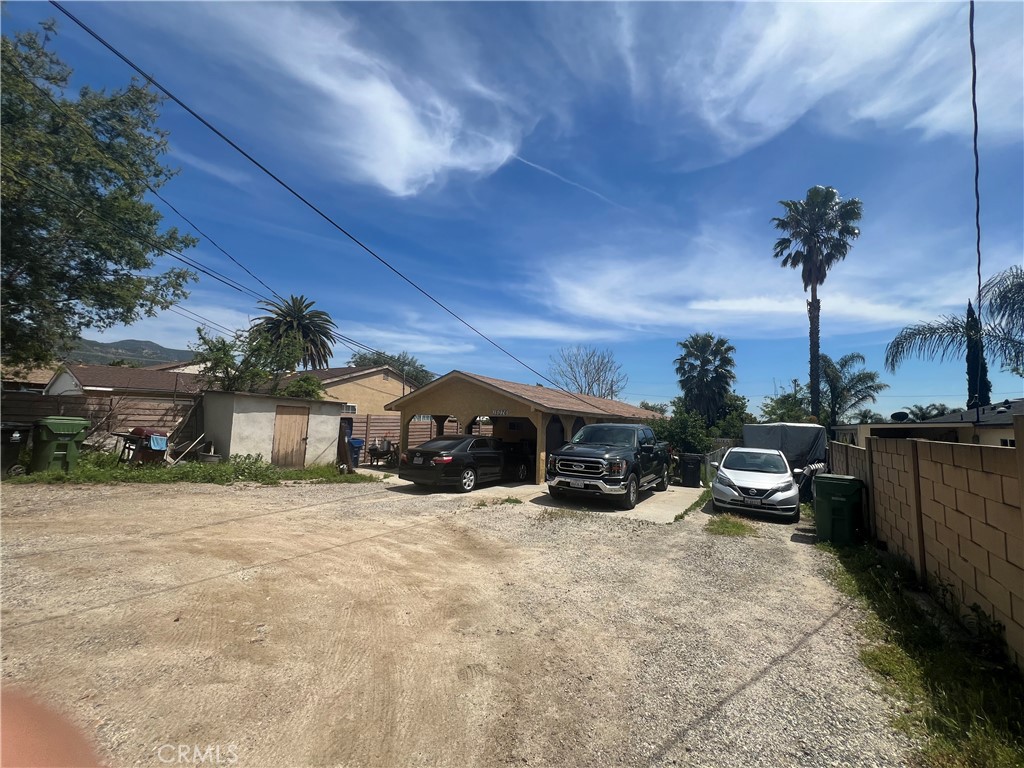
(56, 443)
(837, 508)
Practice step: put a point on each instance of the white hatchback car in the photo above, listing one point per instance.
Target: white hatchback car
(757, 480)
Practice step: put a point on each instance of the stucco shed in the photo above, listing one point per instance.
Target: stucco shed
(519, 413)
(287, 431)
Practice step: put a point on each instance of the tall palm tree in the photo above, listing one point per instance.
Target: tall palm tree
(295, 318)
(705, 371)
(847, 388)
(1001, 328)
(820, 230)
(868, 416)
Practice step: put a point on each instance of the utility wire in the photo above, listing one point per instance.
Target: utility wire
(977, 203)
(156, 84)
(204, 321)
(78, 121)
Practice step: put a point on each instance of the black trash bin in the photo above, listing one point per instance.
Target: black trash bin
(13, 437)
(690, 469)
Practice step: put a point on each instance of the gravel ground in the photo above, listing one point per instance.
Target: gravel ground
(384, 625)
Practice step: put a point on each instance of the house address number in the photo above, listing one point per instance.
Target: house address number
(499, 412)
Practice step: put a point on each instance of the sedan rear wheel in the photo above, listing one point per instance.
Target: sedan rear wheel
(521, 472)
(468, 480)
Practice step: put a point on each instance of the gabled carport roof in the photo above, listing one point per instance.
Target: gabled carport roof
(541, 398)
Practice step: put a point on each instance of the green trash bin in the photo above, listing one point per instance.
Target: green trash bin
(56, 442)
(837, 508)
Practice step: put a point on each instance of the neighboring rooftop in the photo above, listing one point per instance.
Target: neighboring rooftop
(995, 415)
(134, 379)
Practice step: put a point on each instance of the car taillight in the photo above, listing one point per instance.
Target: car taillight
(442, 460)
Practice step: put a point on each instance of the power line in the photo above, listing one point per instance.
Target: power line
(204, 321)
(156, 84)
(88, 132)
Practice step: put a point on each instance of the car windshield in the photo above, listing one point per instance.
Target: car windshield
(607, 435)
(743, 461)
(443, 444)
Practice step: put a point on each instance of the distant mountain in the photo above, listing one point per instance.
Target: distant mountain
(140, 353)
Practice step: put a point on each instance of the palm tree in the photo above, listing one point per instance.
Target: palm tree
(868, 416)
(847, 388)
(705, 371)
(1001, 328)
(296, 318)
(930, 411)
(820, 229)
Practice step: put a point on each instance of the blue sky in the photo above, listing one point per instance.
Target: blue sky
(575, 173)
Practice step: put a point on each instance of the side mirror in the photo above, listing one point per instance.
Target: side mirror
(797, 472)
(714, 464)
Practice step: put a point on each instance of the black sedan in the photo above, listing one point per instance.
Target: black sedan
(459, 460)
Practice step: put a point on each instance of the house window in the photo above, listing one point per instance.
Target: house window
(515, 426)
(348, 408)
(1008, 442)
(422, 417)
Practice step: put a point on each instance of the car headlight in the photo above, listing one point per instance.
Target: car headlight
(723, 479)
(616, 467)
(785, 485)
(551, 463)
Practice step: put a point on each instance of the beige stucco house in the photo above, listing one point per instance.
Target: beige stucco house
(540, 416)
(365, 390)
(991, 425)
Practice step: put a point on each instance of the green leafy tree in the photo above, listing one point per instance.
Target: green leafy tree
(847, 386)
(792, 407)
(705, 371)
(820, 230)
(295, 317)
(79, 240)
(684, 430)
(661, 408)
(979, 388)
(734, 416)
(412, 369)
(1000, 329)
(248, 362)
(305, 386)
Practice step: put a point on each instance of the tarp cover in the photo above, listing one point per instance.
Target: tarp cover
(801, 444)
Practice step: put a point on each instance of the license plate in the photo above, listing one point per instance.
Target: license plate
(575, 483)
(752, 502)
(418, 460)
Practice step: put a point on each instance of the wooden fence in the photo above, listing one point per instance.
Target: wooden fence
(114, 413)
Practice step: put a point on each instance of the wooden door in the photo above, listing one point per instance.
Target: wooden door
(290, 429)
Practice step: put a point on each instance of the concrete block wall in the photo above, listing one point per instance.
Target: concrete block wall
(894, 497)
(851, 460)
(974, 529)
(954, 511)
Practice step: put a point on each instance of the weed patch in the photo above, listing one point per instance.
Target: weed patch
(729, 525)
(964, 698)
(703, 499)
(99, 467)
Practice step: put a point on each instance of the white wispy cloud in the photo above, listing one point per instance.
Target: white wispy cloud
(232, 176)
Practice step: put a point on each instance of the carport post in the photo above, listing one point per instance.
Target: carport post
(439, 422)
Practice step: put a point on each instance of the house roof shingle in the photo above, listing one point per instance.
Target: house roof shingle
(996, 415)
(118, 377)
(551, 399)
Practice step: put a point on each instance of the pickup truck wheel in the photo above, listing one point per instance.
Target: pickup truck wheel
(467, 481)
(628, 499)
(662, 484)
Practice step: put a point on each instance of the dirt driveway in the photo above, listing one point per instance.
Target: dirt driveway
(380, 625)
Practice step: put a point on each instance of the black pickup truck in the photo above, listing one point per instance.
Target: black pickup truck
(612, 460)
